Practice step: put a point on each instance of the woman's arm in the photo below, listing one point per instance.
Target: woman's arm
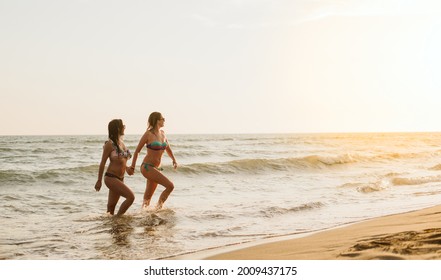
(170, 154)
(107, 149)
(141, 144)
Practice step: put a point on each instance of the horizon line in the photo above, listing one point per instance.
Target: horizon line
(233, 133)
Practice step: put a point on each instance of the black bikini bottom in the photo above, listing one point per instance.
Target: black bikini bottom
(114, 176)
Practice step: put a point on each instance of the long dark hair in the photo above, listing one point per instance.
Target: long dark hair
(153, 120)
(115, 131)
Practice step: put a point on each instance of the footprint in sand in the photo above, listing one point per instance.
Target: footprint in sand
(424, 244)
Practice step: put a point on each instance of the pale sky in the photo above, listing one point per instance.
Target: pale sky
(225, 66)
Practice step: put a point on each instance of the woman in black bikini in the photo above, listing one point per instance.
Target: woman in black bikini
(116, 151)
(156, 143)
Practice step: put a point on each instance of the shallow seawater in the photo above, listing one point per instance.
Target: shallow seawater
(228, 189)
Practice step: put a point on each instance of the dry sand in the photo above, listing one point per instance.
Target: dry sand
(414, 235)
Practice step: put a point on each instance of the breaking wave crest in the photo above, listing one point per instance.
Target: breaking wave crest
(259, 165)
(270, 212)
(392, 181)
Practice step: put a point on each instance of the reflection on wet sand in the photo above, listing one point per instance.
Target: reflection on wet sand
(144, 233)
(120, 229)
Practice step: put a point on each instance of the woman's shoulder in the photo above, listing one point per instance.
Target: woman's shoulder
(109, 142)
(147, 134)
(145, 137)
(108, 145)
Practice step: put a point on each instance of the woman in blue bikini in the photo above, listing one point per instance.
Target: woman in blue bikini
(115, 150)
(156, 143)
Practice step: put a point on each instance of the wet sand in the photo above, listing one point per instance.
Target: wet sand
(413, 235)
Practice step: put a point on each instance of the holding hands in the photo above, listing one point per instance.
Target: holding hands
(130, 170)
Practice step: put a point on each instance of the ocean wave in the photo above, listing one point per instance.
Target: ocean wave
(94, 142)
(10, 177)
(259, 165)
(313, 162)
(272, 211)
(71, 174)
(391, 180)
(394, 156)
(332, 160)
(384, 182)
(19, 209)
(9, 198)
(436, 167)
(60, 176)
(191, 154)
(400, 181)
(209, 215)
(231, 232)
(373, 187)
(204, 138)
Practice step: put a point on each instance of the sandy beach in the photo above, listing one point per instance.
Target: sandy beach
(413, 235)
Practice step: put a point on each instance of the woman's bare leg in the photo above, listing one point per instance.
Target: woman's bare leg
(112, 201)
(157, 177)
(118, 187)
(149, 191)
